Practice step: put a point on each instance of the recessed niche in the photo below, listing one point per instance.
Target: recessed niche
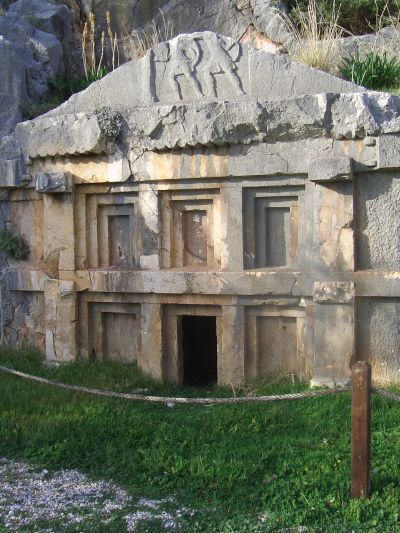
(270, 229)
(110, 237)
(110, 331)
(189, 230)
(274, 342)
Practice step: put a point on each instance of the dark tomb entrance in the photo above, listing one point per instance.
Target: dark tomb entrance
(199, 344)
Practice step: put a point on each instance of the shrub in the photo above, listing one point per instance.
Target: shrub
(13, 246)
(375, 71)
(356, 16)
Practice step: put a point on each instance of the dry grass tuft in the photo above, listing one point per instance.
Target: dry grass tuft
(136, 43)
(96, 68)
(315, 37)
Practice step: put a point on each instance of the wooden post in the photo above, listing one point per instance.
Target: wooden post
(360, 429)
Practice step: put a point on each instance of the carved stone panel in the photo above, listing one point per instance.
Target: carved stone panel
(120, 336)
(119, 249)
(113, 330)
(275, 342)
(194, 229)
(207, 66)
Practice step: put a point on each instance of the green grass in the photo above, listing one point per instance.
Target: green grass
(242, 468)
(375, 71)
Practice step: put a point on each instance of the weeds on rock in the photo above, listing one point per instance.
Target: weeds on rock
(376, 71)
(110, 122)
(60, 89)
(13, 246)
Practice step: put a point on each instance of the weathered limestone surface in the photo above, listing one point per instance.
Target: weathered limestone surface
(236, 18)
(245, 195)
(36, 43)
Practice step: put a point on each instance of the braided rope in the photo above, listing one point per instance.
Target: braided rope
(173, 400)
(387, 394)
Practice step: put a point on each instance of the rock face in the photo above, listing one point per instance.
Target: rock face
(213, 199)
(36, 37)
(228, 17)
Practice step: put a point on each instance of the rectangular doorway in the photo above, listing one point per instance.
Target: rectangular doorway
(199, 350)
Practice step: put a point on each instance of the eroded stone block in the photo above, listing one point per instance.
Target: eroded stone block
(53, 182)
(340, 292)
(331, 169)
(389, 151)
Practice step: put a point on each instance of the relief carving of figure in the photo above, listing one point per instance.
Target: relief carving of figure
(218, 60)
(185, 56)
(198, 61)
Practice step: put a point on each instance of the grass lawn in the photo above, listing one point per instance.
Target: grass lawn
(241, 468)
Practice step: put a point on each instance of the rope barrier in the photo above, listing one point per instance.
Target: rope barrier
(173, 400)
(387, 394)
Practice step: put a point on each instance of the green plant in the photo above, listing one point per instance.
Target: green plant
(375, 71)
(2, 12)
(60, 89)
(13, 246)
(96, 74)
(356, 17)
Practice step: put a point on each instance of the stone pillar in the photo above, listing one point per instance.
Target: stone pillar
(231, 229)
(333, 332)
(151, 336)
(60, 320)
(58, 221)
(148, 220)
(231, 355)
(59, 263)
(333, 214)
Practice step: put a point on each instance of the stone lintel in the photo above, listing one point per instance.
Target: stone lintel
(331, 169)
(333, 292)
(53, 182)
(252, 284)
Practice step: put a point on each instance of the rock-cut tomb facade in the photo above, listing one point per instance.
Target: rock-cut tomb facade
(214, 213)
